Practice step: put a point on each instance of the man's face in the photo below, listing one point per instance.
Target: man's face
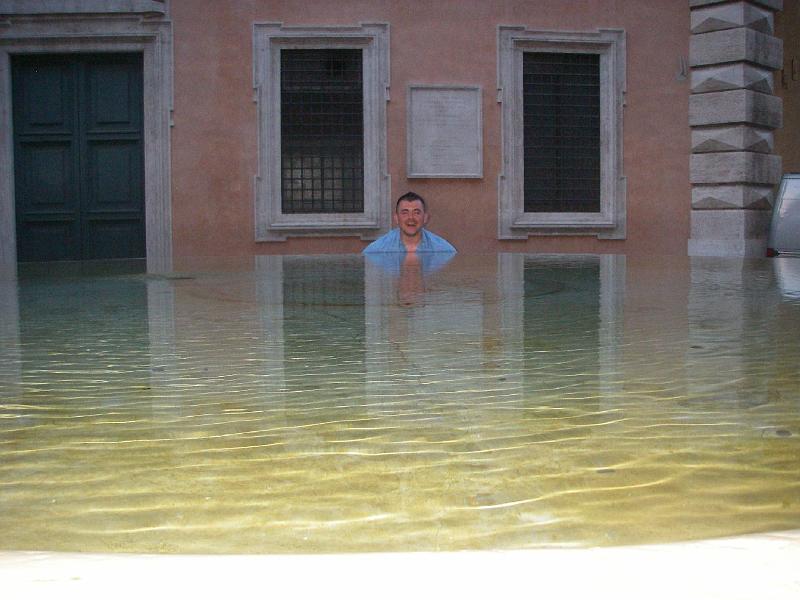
(411, 217)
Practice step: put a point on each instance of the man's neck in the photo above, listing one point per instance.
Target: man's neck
(411, 243)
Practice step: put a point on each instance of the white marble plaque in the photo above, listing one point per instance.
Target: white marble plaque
(444, 131)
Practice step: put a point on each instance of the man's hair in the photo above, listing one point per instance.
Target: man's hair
(410, 197)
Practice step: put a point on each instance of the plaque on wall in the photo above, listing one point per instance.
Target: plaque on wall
(444, 131)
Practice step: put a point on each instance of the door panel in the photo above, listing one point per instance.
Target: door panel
(114, 94)
(79, 163)
(48, 223)
(114, 200)
(43, 96)
(47, 201)
(113, 174)
(48, 182)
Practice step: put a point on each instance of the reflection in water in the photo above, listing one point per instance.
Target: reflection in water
(394, 262)
(310, 404)
(788, 274)
(323, 324)
(564, 337)
(410, 285)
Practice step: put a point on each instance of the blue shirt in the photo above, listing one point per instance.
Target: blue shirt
(388, 252)
(391, 242)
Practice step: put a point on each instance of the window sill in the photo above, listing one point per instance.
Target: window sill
(319, 225)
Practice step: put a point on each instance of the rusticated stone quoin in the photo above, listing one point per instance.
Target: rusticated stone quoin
(732, 138)
(732, 15)
(731, 45)
(752, 197)
(732, 77)
(735, 106)
(771, 4)
(732, 112)
(728, 232)
(735, 167)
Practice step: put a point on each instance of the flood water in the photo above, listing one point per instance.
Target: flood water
(333, 404)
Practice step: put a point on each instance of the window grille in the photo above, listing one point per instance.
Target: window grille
(322, 131)
(561, 119)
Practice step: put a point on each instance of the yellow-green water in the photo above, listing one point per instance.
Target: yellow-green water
(328, 404)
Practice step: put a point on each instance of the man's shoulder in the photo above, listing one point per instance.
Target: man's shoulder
(388, 242)
(438, 243)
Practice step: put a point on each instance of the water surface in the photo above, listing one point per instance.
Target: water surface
(331, 404)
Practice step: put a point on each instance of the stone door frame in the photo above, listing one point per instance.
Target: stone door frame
(150, 35)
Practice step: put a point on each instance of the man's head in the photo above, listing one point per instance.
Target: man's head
(410, 214)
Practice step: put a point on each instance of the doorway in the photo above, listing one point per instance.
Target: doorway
(78, 156)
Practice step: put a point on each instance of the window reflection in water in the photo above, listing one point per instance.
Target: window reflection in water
(561, 327)
(561, 321)
(323, 323)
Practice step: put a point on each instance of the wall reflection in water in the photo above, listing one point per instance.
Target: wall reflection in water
(516, 319)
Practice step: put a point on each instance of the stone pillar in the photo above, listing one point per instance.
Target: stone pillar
(732, 113)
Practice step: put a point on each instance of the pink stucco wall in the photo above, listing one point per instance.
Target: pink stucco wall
(787, 86)
(214, 139)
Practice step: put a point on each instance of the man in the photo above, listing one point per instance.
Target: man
(410, 235)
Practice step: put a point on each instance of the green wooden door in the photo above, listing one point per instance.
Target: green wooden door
(78, 156)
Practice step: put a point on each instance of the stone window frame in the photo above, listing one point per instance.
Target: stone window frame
(147, 33)
(271, 224)
(513, 221)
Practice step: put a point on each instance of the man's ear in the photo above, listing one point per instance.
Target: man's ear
(394, 218)
(427, 218)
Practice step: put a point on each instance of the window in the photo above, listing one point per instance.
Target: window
(561, 118)
(322, 116)
(562, 98)
(322, 131)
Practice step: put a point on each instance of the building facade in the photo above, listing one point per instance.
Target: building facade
(190, 128)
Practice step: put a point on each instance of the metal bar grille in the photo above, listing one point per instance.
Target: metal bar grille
(322, 131)
(561, 104)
